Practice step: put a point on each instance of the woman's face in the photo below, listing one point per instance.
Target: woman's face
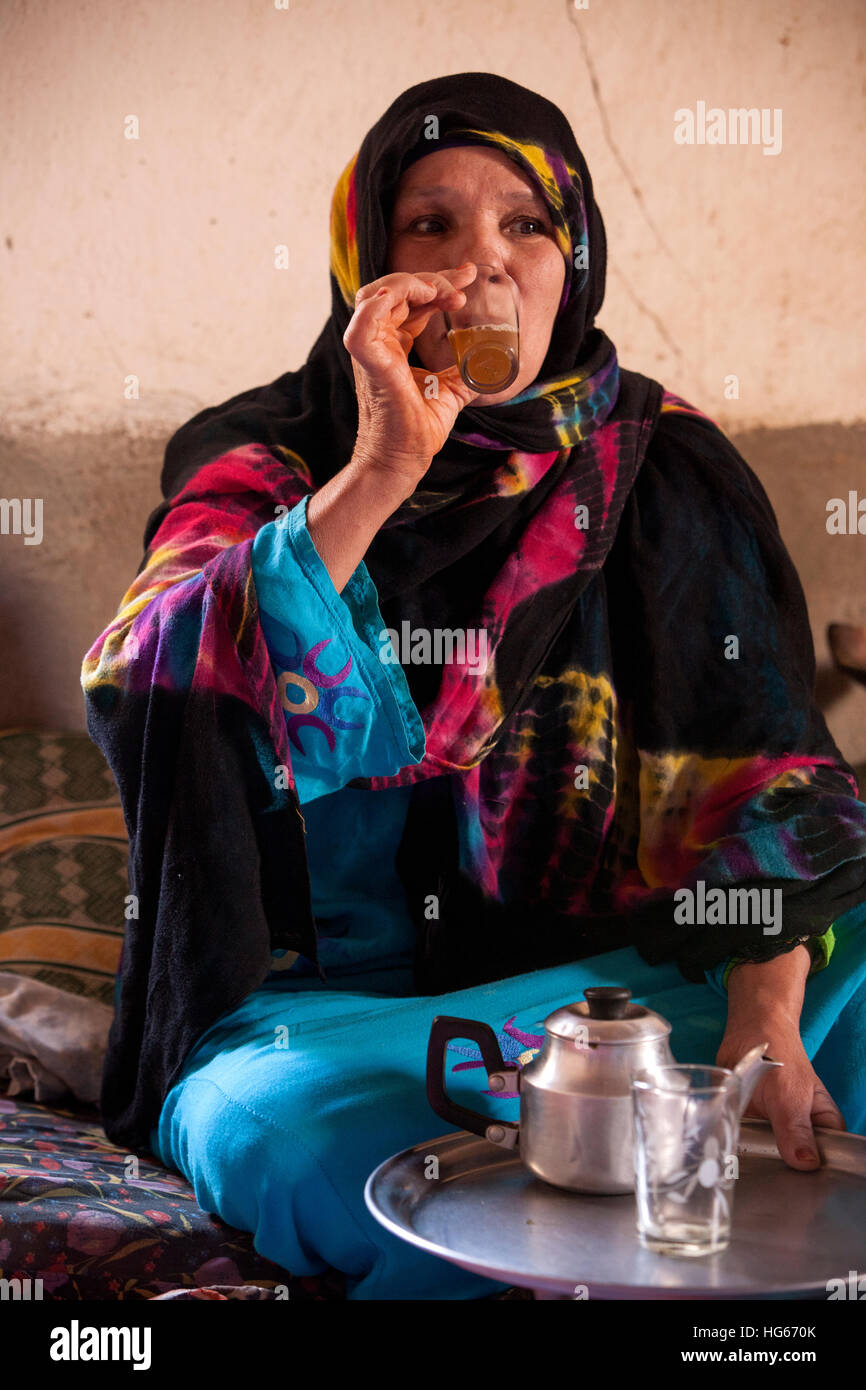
(472, 203)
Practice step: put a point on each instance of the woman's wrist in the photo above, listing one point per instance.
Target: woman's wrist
(770, 989)
(397, 475)
(345, 513)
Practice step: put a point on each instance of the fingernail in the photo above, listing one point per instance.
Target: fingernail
(806, 1156)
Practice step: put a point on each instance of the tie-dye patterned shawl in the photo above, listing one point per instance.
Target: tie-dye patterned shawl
(611, 542)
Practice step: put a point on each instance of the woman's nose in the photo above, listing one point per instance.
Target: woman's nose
(495, 269)
(481, 251)
(483, 254)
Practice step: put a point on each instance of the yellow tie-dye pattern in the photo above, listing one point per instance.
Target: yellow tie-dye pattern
(344, 250)
(591, 727)
(521, 751)
(117, 647)
(514, 477)
(491, 700)
(671, 788)
(249, 602)
(573, 380)
(680, 407)
(491, 715)
(564, 423)
(295, 459)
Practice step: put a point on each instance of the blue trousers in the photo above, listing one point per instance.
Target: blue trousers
(287, 1103)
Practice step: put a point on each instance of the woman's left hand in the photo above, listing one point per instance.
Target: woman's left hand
(792, 1097)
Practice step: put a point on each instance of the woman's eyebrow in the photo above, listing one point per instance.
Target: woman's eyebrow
(504, 197)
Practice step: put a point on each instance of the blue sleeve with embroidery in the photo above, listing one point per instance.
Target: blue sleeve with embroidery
(348, 714)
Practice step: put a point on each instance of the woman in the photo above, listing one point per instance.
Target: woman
(478, 845)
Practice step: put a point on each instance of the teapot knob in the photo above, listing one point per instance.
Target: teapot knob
(607, 1001)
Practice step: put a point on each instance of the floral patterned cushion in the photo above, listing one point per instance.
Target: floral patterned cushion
(92, 1221)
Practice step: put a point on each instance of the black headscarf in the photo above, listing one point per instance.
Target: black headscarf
(435, 557)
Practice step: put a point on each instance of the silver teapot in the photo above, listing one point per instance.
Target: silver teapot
(576, 1127)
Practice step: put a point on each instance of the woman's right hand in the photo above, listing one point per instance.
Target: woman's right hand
(400, 425)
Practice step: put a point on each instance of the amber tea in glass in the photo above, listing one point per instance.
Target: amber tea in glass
(484, 332)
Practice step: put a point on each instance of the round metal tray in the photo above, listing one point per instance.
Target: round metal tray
(791, 1232)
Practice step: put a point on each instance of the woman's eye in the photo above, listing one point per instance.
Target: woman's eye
(519, 221)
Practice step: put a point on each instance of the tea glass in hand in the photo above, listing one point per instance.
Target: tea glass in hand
(686, 1128)
(484, 332)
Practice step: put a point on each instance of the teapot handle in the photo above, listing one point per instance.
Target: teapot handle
(443, 1029)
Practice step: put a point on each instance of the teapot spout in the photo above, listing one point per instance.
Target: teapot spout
(749, 1071)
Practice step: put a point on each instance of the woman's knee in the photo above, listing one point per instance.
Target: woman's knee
(256, 1173)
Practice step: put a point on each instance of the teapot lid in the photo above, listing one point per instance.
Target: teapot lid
(607, 1016)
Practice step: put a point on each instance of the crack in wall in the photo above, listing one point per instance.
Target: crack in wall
(653, 317)
(608, 135)
(615, 149)
(633, 186)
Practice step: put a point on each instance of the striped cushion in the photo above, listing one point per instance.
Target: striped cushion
(63, 862)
